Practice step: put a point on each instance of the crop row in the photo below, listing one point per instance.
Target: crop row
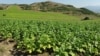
(60, 38)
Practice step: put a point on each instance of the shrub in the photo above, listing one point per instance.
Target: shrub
(86, 18)
(4, 14)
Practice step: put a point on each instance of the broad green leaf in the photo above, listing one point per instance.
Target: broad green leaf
(72, 53)
(30, 51)
(38, 50)
(65, 54)
(49, 46)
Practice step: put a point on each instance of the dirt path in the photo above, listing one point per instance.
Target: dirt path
(6, 48)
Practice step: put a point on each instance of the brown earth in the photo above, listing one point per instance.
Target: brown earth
(6, 48)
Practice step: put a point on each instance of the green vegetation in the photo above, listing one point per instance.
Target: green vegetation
(71, 38)
(38, 32)
(14, 12)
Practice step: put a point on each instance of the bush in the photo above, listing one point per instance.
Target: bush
(4, 14)
(86, 18)
(1, 8)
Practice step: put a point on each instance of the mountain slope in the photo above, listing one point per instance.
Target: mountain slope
(56, 7)
(94, 8)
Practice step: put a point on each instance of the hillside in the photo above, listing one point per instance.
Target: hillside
(56, 7)
(94, 8)
(3, 6)
(15, 12)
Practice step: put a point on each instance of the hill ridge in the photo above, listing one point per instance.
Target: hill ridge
(55, 7)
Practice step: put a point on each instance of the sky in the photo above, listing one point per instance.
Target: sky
(76, 3)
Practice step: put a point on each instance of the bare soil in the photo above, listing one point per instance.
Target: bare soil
(6, 48)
